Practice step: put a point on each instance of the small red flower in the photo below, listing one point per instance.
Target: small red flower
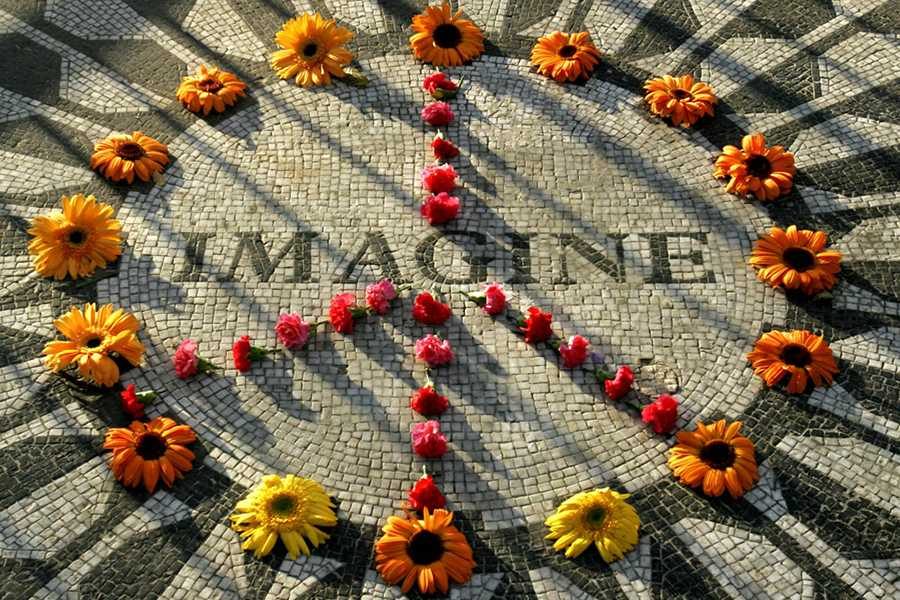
(340, 313)
(537, 326)
(662, 413)
(427, 439)
(443, 149)
(429, 310)
(241, 350)
(425, 494)
(131, 405)
(379, 296)
(494, 299)
(439, 86)
(440, 208)
(437, 114)
(433, 350)
(438, 178)
(619, 385)
(426, 401)
(575, 351)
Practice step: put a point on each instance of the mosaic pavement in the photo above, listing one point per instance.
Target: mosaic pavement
(573, 196)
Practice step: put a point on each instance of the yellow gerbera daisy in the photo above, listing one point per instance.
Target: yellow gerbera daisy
(565, 56)
(796, 259)
(313, 50)
(444, 38)
(93, 338)
(600, 517)
(210, 89)
(77, 241)
(123, 156)
(292, 508)
(428, 552)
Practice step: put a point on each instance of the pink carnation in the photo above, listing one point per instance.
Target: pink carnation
(440, 208)
(379, 295)
(438, 178)
(427, 439)
(575, 351)
(433, 350)
(186, 359)
(291, 330)
(437, 114)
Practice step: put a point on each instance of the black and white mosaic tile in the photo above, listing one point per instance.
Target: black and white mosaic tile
(573, 196)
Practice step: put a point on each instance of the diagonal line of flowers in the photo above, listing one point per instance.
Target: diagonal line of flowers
(426, 552)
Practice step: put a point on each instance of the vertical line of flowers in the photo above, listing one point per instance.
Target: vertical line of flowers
(439, 206)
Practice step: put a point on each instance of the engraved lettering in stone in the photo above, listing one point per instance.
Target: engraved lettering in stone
(521, 257)
(376, 244)
(477, 260)
(264, 265)
(599, 258)
(194, 254)
(678, 258)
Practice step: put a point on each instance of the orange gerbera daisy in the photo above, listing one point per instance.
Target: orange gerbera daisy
(312, 50)
(443, 38)
(81, 238)
(428, 551)
(767, 173)
(715, 458)
(564, 56)
(146, 452)
(210, 89)
(796, 259)
(680, 99)
(123, 156)
(93, 338)
(799, 353)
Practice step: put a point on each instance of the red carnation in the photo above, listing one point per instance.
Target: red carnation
(536, 326)
(574, 352)
(440, 208)
(443, 149)
(437, 114)
(661, 413)
(619, 385)
(241, 350)
(425, 494)
(427, 439)
(429, 310)
(340, 313)
(438, 178)
(133, 402)
(426, 401)
(494, 299)
(439, 86)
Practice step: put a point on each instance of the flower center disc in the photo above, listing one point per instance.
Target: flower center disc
(595, 518)
(796, 355)
(310, 49)
(77, 237)
(759, 166)
(283, 506)
(446, 36)
(151, 446)
(682, 94)
(130, 150)
(425, 548)
(210, 84)
(93, 342)
(568, 51)
(799, 259)
(718, 454)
